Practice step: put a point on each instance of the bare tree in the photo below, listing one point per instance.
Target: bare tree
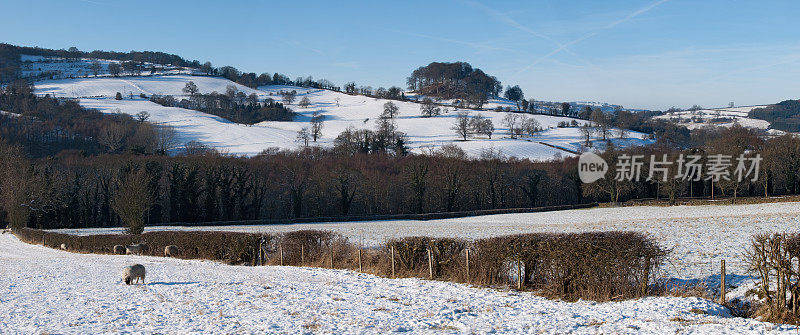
(429, 108)
(304, 102)
(142, 116)
(288, 97)
(190, 88)
(111, 136)
(462, 125)
(95, 67)
(390, 109)
(132, 200)
(304, 136)
(316, 125)
(114, 69)
(602, 123)
(511, 121)
(165, 139)
(481, 125)
(529, 126)
(586, 132)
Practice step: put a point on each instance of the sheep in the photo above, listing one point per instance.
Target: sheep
(63, 246)
(133, 273)
(171, 251)
(119, 249)
(135, 248)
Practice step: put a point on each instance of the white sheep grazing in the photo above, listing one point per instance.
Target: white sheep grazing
(119, 249)
(171, 251)
(135, 248)
(63, 246)
(133, 273)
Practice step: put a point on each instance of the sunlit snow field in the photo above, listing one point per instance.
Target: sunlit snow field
(51, 291)
(340, 111)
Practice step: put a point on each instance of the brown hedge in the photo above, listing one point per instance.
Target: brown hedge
(597, 266)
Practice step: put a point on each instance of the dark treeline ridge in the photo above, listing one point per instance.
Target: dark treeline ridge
(78, 191)
(784, 115)
(598, 266)
(233, 105)
(82, 191)
(64, 167)
(44, 126)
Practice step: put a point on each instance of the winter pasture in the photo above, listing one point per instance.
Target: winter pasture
(339, 110)
(342, 301)
(52, 291)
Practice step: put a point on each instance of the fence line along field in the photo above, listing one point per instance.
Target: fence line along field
(698, 236)
(48, 290)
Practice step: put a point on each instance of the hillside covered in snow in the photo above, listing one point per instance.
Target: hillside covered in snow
(339, 110)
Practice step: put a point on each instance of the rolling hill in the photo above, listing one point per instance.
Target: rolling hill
(341, 111)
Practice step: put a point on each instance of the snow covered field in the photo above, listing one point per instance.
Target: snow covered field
(340, 110)
(44, 290)
(699, 236)
(721, 117)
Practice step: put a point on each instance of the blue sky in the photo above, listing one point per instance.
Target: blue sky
(638, 53)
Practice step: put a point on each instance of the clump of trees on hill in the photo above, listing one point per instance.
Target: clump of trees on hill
(784, 115)
(457, 80)
(233, 105)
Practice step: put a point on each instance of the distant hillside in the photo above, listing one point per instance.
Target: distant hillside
(784, 115)
(11, 62)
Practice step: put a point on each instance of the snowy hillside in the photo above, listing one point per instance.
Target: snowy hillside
(60, 68)
(340, 110)
(53, 291)
(720, 117)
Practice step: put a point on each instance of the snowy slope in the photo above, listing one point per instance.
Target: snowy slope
(53, 291)
(720, 117)
(350, 111)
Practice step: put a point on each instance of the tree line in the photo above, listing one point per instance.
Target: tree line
(45, 126)
(784, 115)
(233, 105)
(73, 189)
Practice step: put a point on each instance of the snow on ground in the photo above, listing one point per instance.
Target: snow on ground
(699, 236)
(9, 114)
(45, 290)
(720, 117)
(340, 111)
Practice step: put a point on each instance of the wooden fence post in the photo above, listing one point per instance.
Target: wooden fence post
(302, 254)
(281, 250)
(519, 273)
(331, 257)
(359, 260)
(722, 300)
(430, 264)
(646, 279)
(467, 265)
(392, 261)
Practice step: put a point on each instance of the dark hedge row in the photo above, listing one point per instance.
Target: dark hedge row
(598, 266)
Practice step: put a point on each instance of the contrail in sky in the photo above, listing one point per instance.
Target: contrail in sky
(594, 33)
